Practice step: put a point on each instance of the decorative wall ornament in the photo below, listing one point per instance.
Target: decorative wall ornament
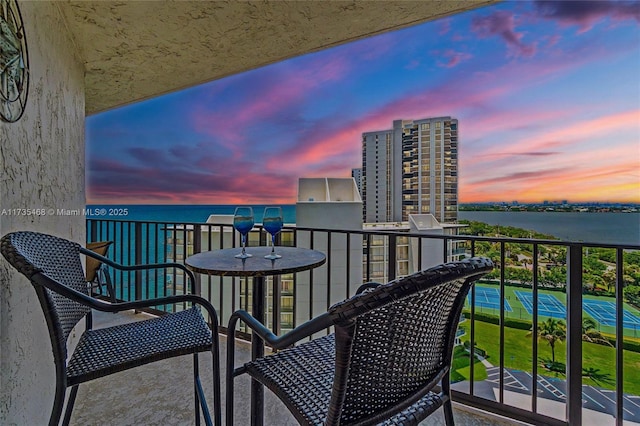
(14, 62)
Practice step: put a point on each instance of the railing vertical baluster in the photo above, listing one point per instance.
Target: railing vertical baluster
(329, 235)
(619, 337)
(534, 334)
(277, 296)
(368, 258)
(209, 277)
(145, 226)
(328, 268)
(138, 258)
(293, 289)
(160, 282)
(94, 230)
(348, 271)
(445, 251)
(502, 272)
(246, 294)
(472, 331)
(472, 340)
(574, 334)
(171, 234)
(185, 248)
(311, 236)
(197, 248)
(120, 242)
(418, 267)
(234, 289)
(392, 263)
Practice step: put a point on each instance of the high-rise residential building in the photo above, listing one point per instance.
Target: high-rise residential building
(411, 169)
(356, 174)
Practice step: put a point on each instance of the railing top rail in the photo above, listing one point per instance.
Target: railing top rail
(404, 233)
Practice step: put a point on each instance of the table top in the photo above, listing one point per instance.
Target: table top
(223, 263)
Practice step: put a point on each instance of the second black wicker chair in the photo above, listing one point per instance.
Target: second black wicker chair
(53, 265)
(97, 273)
(391, 349)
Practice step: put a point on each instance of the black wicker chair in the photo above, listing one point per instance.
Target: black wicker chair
(97, 273)
(53, 265)
(391, 348)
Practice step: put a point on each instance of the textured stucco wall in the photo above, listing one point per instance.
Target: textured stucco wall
(42, 161)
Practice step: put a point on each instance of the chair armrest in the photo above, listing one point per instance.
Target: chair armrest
(304, 330)
(99, 305)
(118, 266)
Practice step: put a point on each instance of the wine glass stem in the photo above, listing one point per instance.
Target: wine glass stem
(273, 244)
(244, 243)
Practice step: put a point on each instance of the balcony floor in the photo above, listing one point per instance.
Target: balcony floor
(162, 393)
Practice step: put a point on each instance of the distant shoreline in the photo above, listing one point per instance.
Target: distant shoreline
(553, 208)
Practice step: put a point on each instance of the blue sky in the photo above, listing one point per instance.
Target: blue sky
(547, 95)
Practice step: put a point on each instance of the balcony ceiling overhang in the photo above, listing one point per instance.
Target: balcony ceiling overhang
(134, 50)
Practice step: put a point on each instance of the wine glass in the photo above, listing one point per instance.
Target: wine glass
(272, 223)
(243, 222)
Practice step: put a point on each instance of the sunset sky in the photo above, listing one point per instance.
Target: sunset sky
(547, 96)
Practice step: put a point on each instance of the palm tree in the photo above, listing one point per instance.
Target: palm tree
(591, 334)
(553, 331)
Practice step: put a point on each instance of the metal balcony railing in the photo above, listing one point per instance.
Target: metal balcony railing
(534, 280)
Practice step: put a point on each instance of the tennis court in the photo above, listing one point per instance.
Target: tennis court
(488, 298)
(548, 305)
(605, 313)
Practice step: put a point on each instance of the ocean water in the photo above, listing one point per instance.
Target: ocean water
(608, 228)
(181, 213)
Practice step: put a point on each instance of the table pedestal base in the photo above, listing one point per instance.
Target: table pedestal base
(257, 351)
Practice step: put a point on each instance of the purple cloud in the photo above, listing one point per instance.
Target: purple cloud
(454, 58)
(502, 23)
(586, 13)
(535, 175)
(444, 26)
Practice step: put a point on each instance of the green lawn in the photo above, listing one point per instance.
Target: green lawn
(517, 355)
(460, 370)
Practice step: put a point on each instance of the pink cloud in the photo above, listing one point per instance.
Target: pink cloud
(570, 173)
(477, 91)
(577, 132)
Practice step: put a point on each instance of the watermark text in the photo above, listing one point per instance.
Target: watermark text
(48, 211)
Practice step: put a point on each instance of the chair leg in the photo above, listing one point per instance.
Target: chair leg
(58, 403)
(107, 283)
(447, 406)
(196, 375)
(200, 400)
(70, 403)
(110, 290)
(448, 413)
(231, 336)
(215, 360)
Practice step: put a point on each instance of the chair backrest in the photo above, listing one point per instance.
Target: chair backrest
(93, 265)
(397, 339)
(59, 259)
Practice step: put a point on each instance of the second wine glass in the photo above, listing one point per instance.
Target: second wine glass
(272, 223)
(243, 222)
